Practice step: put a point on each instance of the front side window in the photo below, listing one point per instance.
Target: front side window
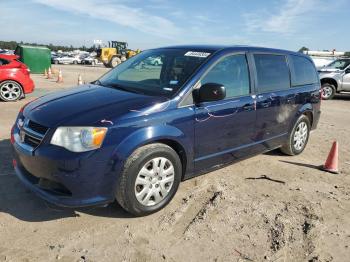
(304, 71)
(158, 72)
(272, 72)
(231, 72)
(340, 64)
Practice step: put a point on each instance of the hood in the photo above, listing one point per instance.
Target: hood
(86, 105)
(329, 70)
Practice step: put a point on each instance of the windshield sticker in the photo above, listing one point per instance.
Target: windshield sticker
(167, 89)
(197, 54)
(174, 82)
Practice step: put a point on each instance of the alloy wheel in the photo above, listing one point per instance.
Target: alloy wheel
(300, 136)
(10, 91)
(327, 92)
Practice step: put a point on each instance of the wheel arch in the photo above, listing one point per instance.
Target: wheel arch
(178, 148)
(331, 81)
(13, 80)
(306, 110)
(168, 135)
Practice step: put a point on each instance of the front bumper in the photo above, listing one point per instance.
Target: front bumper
(65, 178)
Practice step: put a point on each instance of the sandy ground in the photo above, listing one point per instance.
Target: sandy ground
(221, 216)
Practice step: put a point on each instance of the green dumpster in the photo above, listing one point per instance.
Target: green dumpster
(37, 58)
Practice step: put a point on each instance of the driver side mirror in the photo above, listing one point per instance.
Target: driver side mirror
(210, 92)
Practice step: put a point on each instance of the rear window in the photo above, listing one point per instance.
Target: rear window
(304, 72)
(272, 72)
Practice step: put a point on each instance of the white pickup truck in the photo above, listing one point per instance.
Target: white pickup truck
(335, 78)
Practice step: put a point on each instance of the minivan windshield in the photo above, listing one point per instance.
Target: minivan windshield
(339, 64)
(158, 72)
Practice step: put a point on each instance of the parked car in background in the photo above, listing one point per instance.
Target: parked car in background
(67, 60)
(89, 60)
(335, 78)
(135, 133)
(155, 61)
(15, 79)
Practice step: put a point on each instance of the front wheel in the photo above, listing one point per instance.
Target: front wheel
(328, 91)
(298, 138)
(150, 179)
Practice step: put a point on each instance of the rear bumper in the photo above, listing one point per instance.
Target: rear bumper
(28, 86)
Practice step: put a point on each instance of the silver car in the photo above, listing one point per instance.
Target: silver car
(335, 78)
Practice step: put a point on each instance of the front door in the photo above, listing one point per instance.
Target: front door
(224, 129)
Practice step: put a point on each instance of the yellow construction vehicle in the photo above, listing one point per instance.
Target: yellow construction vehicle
(115, 53)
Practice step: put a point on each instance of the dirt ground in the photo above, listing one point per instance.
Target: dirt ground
(304, 215)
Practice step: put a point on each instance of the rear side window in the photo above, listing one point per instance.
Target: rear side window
(272, 72)
(3, 62)
(304, 72)
(231, 72)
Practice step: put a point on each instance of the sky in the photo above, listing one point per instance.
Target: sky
(286, 24)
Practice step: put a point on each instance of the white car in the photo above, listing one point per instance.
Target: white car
(67, 60)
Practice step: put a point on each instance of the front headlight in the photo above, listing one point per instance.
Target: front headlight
(79, 139)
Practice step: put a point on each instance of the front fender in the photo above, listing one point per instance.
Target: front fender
(151, 134)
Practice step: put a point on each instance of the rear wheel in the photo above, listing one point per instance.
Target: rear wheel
(150, 179)
(10, 91)
(328, 91)
(115, 61)
(298, 138)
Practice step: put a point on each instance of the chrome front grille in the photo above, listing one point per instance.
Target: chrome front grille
(32, 133)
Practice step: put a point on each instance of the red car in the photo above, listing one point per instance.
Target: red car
(15, 79)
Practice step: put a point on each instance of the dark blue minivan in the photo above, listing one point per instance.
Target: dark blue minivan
(143, 127)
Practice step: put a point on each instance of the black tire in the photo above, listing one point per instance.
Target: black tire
(56, 62)
(126, 185)
(10, 91)
(328, 91)
(290, 148)
(115, 61)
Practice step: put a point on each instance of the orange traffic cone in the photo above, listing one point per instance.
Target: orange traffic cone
(331, 164)
(49, 73)
(80, 80)
(59, 77)
(45, 73)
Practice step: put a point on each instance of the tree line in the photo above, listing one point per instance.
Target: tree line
(11, 45)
